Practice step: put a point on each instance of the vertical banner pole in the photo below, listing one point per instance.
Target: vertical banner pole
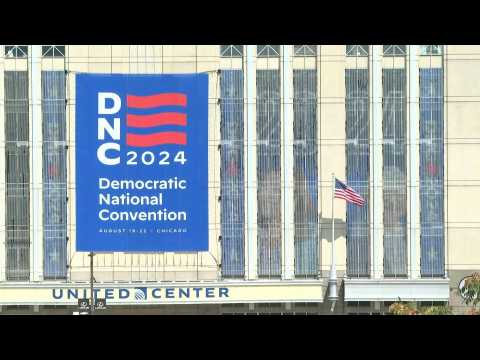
(332, 281)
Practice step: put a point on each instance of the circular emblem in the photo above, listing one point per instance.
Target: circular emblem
(461, 286)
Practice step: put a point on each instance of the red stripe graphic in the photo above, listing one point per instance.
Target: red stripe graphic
(341, 194)
(150, 101)
(178, 138)
(145, 121)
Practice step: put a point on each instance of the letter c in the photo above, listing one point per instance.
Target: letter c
(102, 154)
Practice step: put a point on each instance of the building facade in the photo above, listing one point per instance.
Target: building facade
(398, 123)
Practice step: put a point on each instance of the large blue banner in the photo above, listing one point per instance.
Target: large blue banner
(141, 162)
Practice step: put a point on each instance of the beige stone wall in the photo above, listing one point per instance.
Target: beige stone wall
(462, 150)
(462, 69)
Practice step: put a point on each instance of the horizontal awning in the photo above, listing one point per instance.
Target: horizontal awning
(393, 289)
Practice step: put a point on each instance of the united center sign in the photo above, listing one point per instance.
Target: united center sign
(142, 294)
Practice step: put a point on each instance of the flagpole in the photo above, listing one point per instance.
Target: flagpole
(332, 281)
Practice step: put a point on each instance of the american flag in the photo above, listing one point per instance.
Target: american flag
(345, 192)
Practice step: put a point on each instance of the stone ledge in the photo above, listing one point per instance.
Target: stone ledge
(393, 289)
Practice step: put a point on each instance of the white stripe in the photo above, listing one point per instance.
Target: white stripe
(355, 197)
(342, 195)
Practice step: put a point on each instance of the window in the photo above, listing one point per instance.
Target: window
(305, 50)
(269, 205)
(431, 49)
(231, 50)
(432, 244)
(357, 50)
(268, 50)
(16, 51)
(53, 50)
(54, 175)
(305, 172)
(17, 175)
(394, 173)
(358, 171)
(394, 50)
(232, 196)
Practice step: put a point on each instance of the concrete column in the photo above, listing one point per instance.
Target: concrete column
(414, 150)
(251, 198)
(376, 162)
(36, 200)
(288, 231)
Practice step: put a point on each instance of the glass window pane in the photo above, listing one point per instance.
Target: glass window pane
(232, 194)
(47, 50)
(431, 173)
(269, 219)
(268, 50)
(394, 173)
(231, 50)
(53, 50)
(431, 49)
(305, 172)
(16, 51)
(305, 50)
(394, 50)
(358, 165)
(17, 175)
(54, 174)
(357, 50)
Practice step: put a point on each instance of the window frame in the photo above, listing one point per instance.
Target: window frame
(357, 49)
(426, 50)
(54, 49)
(397, 50)
(230, 49)
(268, 51)
(300, 50)
(12, 51)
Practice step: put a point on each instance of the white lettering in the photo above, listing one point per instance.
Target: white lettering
(104, 126)
(102, 108)
(102, 154)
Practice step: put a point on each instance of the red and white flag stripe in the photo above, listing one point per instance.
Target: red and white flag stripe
(345, 192)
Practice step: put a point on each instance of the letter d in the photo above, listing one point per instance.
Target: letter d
(123, 293)
(102, 108)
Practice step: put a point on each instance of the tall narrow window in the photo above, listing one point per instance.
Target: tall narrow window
(269, 223)
(431, 173)
(17, 174)
(232, 173)
(54, 175)
(358, 171)
(394, 173)
(305, 172)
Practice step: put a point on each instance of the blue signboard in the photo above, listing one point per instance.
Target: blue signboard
(141, 162)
